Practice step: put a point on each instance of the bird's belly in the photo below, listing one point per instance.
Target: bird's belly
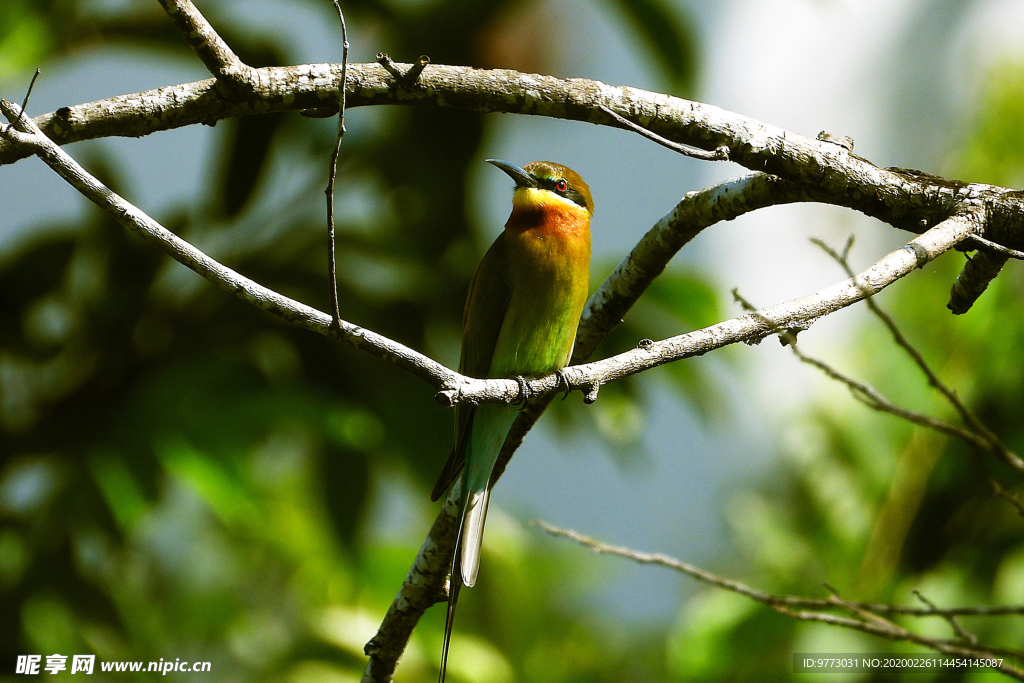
(537, 334)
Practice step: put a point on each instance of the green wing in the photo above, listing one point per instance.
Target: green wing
(486, 305)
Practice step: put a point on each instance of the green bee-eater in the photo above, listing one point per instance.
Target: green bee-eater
(520, 320)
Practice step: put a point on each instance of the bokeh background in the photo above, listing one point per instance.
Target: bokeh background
(182, 476)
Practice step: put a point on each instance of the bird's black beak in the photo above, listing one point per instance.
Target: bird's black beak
(522, 178)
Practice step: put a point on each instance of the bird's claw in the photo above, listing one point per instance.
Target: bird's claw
(563, 380)
(524, 393)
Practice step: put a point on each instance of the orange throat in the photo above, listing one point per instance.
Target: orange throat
(542, 214)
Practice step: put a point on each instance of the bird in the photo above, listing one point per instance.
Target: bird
(520, 319)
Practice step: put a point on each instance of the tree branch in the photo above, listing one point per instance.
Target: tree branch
(423, 587)
(983, 436)
(332, 173)
(801, 170)
(869, 620)
(906, 199)
(973, 280)
(219, 59)
(454, 387)
(220, 275)
(751, 328)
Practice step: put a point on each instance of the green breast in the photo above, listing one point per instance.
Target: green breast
(549, 279)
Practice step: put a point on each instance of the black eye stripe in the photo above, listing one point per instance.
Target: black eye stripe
(569, 192)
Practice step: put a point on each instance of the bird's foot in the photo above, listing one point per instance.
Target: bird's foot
(524, 393)
(563, 380)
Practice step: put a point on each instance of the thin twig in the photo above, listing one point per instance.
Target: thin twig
(332, 265)
(719, 154)
(992, 442)
(954, 623)
(865, 393)
(871, 397)
(870, 620)
(989, 245)
(24, 102)
(1014, 500)
(762, 596)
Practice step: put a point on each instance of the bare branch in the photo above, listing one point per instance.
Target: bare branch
(423, 587)
(220, 275)
(867, 394)
(828, 172)
(332, 266)
(954, 623)
(987, 245)
(1014, 500)
(28, 94)
(869, 620)
(219, 59)
(720, 154)
(985, 437)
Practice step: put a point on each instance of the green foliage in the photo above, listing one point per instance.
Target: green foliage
(992, 154)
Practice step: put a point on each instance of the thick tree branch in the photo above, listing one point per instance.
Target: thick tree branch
(907, 199)
(796, 314)
(219, 59)
(867, 615)
(423, 587)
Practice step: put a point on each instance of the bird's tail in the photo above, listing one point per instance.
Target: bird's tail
(454, 584)
(465, 561)
(474, 516)
(453, 597)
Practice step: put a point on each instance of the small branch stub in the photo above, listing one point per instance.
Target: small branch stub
(973, 280)
(407, 79)
(844, 141)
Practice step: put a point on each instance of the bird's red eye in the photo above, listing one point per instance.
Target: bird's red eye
(561, 185)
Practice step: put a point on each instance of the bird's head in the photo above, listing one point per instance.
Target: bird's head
(545, 183)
